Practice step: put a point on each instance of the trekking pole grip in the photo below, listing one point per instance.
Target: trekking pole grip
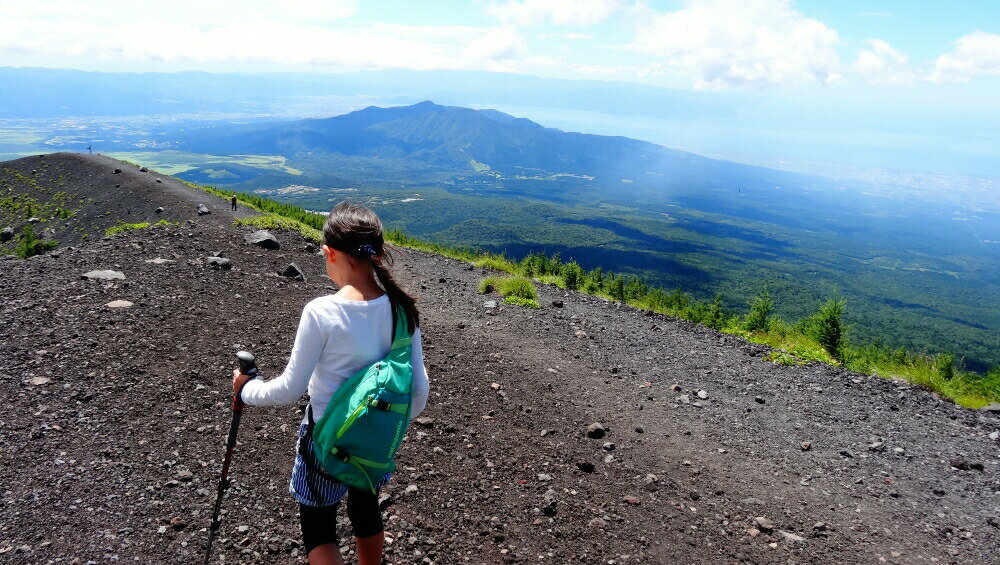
(248, 366)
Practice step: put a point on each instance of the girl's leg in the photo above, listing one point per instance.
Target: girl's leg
(319, 534)
(370, 549)
(326, 554)
(366, 521)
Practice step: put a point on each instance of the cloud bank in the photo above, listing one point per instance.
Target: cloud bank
(708, 44)
(741, 43)
(977, 53)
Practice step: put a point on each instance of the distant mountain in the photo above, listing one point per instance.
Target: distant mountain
(465, 139)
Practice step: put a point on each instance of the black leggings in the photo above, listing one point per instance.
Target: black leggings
(319, 523)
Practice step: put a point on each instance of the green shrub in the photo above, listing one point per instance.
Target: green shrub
(945, 365)
(554, 280)
(614, 286)
(783, 358)
(122, 227)
(28, 245)
(827, 327)
(592, 281)
(758, 319)
(274, 221)
(572, 275)
(635, 289)
(526, 302)
(710, 314)
(539, 264)
(515, 290)
(497, 262)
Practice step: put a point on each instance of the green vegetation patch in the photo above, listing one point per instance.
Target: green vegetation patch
(39, 201)
(29, 246)
(274, 221)
(514, 290)
(122, 227)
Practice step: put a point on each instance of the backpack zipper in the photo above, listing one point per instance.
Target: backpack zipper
(354, 416)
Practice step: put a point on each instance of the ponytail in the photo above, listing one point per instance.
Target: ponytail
(357, 231)
(397, 295)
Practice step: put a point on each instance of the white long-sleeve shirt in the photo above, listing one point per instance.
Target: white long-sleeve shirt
(336, 338)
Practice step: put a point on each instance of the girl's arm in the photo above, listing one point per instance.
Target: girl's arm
(310, 339)
(421, 386)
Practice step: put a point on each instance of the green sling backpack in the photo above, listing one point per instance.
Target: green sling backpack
(363, 426)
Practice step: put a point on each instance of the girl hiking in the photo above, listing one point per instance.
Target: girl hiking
(338, 335)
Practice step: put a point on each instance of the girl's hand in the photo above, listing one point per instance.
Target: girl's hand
(239, 379)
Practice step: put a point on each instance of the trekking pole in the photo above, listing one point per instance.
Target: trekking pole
(248, 366)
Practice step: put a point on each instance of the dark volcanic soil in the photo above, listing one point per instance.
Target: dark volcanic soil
(99, 197)
(113, 439)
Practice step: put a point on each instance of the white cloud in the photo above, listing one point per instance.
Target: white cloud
(302, 32)
(977, 53)
(880, 63)
(740, 43)
(571, 13)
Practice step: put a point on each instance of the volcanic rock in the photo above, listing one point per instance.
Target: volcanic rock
(220, 263)
(293, 271)
(262, 238)
(105, 275)
(596, 430)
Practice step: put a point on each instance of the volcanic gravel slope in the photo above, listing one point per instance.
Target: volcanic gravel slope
(99, 197)
(116, 422)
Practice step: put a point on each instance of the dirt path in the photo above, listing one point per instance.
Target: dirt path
(112, 444)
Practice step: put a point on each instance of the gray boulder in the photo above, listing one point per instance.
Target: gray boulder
(202, 210)
(106, 275)
(6, 235)
(159, 210)
(293, 271)
(262, 238)
(220, 263)
(33, 220)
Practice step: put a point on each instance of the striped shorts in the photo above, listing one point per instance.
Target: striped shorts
(309, 484)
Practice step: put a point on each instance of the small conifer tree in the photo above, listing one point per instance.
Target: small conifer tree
(572, 275)
(828, 329)
(758, 319)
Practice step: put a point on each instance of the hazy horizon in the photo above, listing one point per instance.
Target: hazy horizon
(884, 84)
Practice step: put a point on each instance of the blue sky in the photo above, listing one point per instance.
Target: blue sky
(859, 76)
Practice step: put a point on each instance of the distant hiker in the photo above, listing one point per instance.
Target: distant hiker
(233, 201)
(337, 336)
